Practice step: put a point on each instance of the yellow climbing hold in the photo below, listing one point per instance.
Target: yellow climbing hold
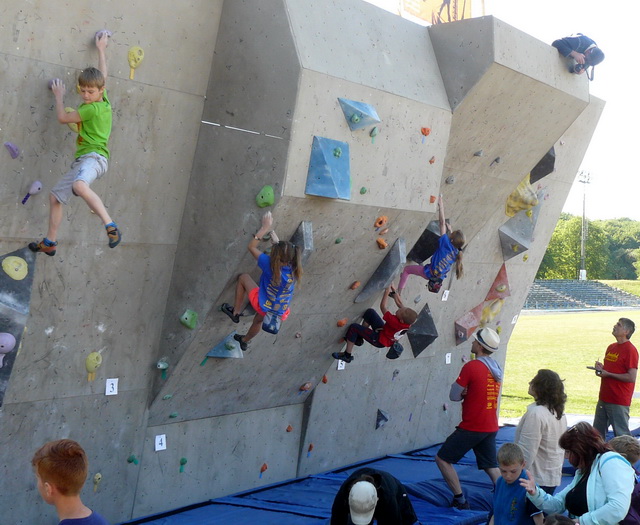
(525, 257)
(135, 57)
(73, 126)
(15, 267)
(501, 288)
(522, 198)
(92, 363)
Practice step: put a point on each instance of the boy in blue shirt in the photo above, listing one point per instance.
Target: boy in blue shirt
(93, 119)
(510, 502)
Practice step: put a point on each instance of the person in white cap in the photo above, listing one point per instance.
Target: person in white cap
(370, 493)
(478, 387)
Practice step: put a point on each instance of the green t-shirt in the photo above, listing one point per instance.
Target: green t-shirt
(95, 128)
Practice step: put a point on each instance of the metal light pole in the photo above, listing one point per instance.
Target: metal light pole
(584, 177)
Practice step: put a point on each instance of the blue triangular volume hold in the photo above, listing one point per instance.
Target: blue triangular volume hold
(358, 114)
(226, 348)
(329, 172)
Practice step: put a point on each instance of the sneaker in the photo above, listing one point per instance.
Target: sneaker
(461, 506)
(243, 345)
(42, 247)
(342, 356)
(228, 309)
(114, 236)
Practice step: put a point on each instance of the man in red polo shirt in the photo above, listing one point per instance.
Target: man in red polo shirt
(618, 381)
(478, 387)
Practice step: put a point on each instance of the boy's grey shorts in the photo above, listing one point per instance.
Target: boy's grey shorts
(86, 168)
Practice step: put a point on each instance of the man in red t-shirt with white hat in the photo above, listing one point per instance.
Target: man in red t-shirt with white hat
(618, 375)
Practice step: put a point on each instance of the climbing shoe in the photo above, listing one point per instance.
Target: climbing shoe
(228, 309)
(342, 356)
(114, 236)
(461, 506)
(42, 247)
(243, 345)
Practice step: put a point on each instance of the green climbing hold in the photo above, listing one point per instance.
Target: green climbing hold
(183, 462)
(229, 345)
(167, 397)
(132, 459)
(363, 190)
(337, 152)
(173, 415)
(265, 197)
(355, 118)
(338, 240)
(189, 319)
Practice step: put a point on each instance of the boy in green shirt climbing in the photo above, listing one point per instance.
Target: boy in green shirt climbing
(93, 118)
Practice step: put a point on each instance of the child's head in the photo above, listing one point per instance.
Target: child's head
(510, 461)
(91, 77)
(62, 464)
(406, 315)
(284, 253)
(558, 519)
(628, 447)
(458, 240)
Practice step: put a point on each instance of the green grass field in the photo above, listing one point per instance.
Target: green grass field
(566, 343)
(627, 286)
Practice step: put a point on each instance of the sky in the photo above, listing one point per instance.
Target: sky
(614, 190)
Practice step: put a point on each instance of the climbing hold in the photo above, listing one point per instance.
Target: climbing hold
(337, 152)
(36, 187)
(354, 285)
(363, 190)
(384, 232)
(310, 449)
(298, 335)
(132, 459)
(382, 244)
(325, 379)
(501, 288)
(384, 274)
(479, 153)
(306, 387)
(265, 197)
(515, 248)
(7, 343)
(432, 199)
(263, 468)
(358, 114)
(380, 221)
(373, 134)
(50, 84)
(497, 160)
(173, 415)
(450, 179)
(423, 332)
(167, 397)
(464, 358)
(15, 267)
(13, 150)
(490, 311)
(329, 173)
(229, 345)
(92, 363)
(417, 299)
(96, 481)
(162, 364)
(73, 126)
(338, 240)
(432, 160)
(546, 165)
(103, 32)
(135, 57)
(445, 406)
(183, 462)
(395, 374)
(525, 257)
(189, 319)
(381, 419)
(498, 330)
(425, 131)
(342, 322)
(289, 428)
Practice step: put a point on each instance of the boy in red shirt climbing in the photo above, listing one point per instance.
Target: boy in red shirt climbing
(379, 332)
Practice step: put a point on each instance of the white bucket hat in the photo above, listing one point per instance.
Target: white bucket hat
(488, 338)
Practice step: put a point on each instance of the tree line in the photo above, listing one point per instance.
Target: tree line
(612, 249)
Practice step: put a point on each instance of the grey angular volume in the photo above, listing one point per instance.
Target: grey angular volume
(386, 271)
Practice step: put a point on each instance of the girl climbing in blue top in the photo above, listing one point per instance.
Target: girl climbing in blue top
(270, 299)
(449, 252)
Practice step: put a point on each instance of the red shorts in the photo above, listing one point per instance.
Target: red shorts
(255, 303)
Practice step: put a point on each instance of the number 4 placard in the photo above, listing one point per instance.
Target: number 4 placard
(111, 388)
(161, 442)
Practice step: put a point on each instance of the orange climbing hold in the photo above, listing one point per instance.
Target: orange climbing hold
(342, 322)
(432, 199)
(425, 131)
(306, 387)
(354, 285)
(432, 160)
(382, 244)
(384, 232)
(289, 428)
(380, 221)
(263, 468)
(325, 379)
(310, 447)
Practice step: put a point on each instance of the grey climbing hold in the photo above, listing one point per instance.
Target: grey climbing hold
(479, 153)
(381, 419)
(546, 165)
(450, 179)
(423, 332)
(516, 234)
(427, 244)
(303, 240)
(386, 271)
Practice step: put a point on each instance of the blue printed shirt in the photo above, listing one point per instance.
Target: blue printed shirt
(274, 297)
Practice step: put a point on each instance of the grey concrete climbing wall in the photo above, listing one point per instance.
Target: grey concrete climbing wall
(227, 100)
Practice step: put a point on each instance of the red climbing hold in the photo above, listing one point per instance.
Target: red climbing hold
(342, 322)
(289, 428)
(263, 468)
(432, 160)
(306, 387)
(425, 131)
(325, 379)
(354, 285)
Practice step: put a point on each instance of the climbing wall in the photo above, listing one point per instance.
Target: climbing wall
(349, 114)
